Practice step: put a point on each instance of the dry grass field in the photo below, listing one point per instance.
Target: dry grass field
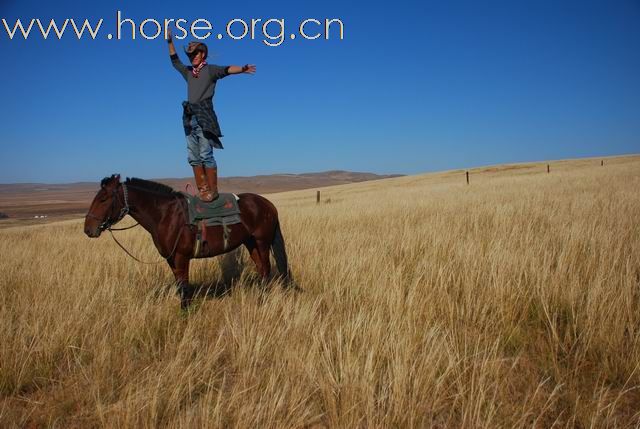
(510, 302)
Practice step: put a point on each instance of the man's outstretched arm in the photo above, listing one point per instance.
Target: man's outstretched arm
(249, 68)
(172, 48)
(175, 60)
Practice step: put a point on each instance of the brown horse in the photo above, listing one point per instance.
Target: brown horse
(163, 213)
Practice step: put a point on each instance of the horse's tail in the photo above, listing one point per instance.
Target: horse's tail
(280, 255)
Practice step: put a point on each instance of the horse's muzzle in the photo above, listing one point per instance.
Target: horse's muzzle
(92, 232)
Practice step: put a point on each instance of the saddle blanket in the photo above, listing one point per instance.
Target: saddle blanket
(223, 210)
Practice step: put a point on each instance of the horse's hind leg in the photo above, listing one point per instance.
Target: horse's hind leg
(263, 254)
(260, 256)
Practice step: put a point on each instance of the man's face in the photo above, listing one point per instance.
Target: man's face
(197, 59)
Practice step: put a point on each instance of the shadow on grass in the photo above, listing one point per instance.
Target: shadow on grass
(232, 265)
(237, 272)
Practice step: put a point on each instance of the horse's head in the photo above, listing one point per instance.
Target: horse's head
(108, 207)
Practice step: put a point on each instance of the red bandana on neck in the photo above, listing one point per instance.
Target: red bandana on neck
(195, 71)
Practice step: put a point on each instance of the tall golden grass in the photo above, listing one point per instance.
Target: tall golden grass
(511, 302)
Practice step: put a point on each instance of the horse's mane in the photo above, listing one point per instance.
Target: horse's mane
(155, 187)
(105, 181)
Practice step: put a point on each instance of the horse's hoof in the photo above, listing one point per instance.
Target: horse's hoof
(290, 284)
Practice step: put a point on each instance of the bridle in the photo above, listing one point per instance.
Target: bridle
(110, 220)
(108, 223)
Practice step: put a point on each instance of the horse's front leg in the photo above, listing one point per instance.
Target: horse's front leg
(180, 266)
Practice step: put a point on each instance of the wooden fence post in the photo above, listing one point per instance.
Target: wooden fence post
(602, 163)
(548, 170)
(318, 197)
(467, 173)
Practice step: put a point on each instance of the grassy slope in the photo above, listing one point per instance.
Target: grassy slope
(511, 302)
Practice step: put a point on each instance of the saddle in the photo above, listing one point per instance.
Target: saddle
(223, 211)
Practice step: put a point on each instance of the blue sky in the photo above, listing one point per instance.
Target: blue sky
(415, 86)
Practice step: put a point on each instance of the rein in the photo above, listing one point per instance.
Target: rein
(175, 246)
(125, 228)
(108, 223)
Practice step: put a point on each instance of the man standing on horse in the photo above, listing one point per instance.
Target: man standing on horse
(199, 119)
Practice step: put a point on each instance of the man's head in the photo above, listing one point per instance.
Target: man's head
(197, 52)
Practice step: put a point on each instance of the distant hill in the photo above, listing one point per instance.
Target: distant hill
(284, 182)
(26, 200)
